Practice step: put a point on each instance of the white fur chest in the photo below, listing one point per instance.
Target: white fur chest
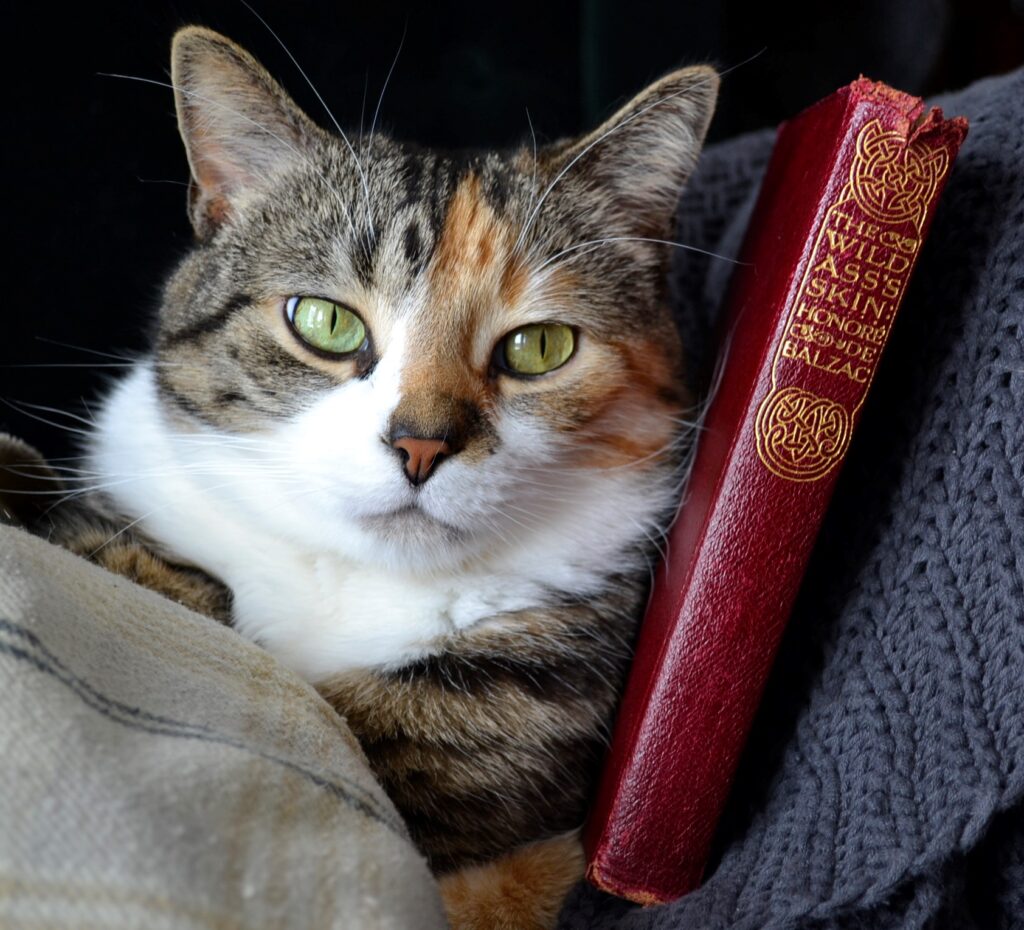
(318, 602)
(322, 615)
(316, 610)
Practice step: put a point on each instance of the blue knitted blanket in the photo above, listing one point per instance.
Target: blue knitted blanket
(882, 785)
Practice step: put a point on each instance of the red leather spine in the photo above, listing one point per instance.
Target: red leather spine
(842, 212)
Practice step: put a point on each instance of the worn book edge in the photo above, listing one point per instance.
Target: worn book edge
(802, 435)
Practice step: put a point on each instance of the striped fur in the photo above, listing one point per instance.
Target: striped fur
(474, 631)
(495, 740)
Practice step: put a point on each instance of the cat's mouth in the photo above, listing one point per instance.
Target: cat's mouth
(411, 523)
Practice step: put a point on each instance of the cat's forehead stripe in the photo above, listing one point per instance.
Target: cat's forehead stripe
(471, 240)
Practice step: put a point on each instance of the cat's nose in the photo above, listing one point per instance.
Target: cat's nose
(420, 456)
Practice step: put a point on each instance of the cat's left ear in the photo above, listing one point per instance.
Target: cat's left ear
(640, 158)
(239, 127)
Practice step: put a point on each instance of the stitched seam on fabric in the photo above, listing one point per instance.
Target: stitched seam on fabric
(135, 718)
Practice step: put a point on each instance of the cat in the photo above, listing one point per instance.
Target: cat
(414, 422)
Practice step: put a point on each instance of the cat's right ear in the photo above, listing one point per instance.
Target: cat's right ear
(239, 127)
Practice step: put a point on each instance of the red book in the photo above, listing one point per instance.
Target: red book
(843, 209)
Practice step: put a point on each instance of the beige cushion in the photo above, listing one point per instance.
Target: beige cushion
(158, 771)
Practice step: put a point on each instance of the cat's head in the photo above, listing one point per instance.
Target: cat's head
(415, 357)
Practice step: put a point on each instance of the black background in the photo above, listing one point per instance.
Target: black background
(95, 172)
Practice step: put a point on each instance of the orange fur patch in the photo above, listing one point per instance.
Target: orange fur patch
(523, 890)
(469, 243)
(636, 418)
(467, 275)
(513, 282)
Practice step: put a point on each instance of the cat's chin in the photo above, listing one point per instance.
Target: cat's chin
(412, 536)
(413, 523)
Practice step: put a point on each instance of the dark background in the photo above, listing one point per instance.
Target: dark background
(95, 172)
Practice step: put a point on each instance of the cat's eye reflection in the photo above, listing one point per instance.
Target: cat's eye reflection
(536, 349)
(325, 325)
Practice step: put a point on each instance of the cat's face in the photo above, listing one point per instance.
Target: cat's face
(413, 358)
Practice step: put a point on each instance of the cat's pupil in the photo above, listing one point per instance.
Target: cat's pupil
(335, 319)
(543, 344)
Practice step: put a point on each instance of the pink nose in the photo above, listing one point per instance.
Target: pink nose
(421, 456)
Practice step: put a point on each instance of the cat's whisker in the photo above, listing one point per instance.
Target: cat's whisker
(323, 103)
(282, 468)
(531, 217)
(90, 351)
(47, 464)
(88, 410)
(584, 249)
(596, 243)
(362, 108)
(72, 494)
(533, 182)
(208, 467)
(57, 410)
(145, 516)
(601, 138)
(258, 125)
(387, 80)
(224, 439)
(121, 532)
(267, 453)
(156, 363)
(77, 365)
(668, 447)
(34, 416)
(533, 517)
(62, 480)
(543, 489)
(492, 525)
(655, 541)
(142, 180)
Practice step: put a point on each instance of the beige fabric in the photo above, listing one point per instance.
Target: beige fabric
(157, 771)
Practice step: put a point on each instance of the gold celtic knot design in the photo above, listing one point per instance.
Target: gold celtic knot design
(801, 435)
(894, 182)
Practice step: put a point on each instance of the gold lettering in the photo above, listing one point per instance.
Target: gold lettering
(848, 326)
(846, 300)
(837, 241)
(908, 245)
(898, 263)
(815, 288)
(842, 220)
(828, 263)
(847, 223)
(871, 254)
(829, 362)
(876, 307)
(839, 295)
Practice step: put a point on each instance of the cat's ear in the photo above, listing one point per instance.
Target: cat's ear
(640, 158)
(239, 127)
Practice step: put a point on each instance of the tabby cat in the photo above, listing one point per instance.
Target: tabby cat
(414, 422)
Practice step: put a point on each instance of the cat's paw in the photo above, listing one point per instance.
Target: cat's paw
(523, 890)
(189, 587)
(28, 487)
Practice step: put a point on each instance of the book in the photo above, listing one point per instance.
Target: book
(843, 209)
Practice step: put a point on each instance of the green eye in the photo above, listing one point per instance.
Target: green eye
(537, 348)
(325, 325)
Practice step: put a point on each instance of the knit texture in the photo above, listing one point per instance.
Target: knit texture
(882, 784)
